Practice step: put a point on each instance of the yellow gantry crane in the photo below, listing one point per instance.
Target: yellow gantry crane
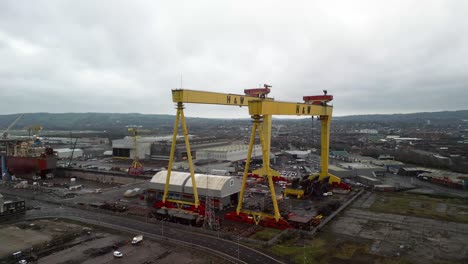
(181, 96)
(34, 130)
(312, 106)
(136, 168)
(261, 109)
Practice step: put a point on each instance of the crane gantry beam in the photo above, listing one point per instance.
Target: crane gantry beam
(181, 96)
(257, 107)
(202, 97)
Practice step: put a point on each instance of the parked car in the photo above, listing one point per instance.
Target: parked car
(137, 239)
(118, 254)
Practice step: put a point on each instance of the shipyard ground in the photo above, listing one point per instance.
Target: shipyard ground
(58, 241)
(183, 236)
(110, 193)
(387, 228)
(399, 227)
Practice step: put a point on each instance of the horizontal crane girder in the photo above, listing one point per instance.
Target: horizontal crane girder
(201, 97)
(258, 107)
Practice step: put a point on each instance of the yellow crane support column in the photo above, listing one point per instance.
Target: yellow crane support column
(325, 149)
(267, 120)
(136, 159)
(180, 117)
(266, 163)
(136, 168)
(189, 158)
(267, 134)
(262, 108)
(173, 147)
(325, 145)
(247, 167)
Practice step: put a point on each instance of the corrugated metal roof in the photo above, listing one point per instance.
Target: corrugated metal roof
(339, 153)
(230, 148)
(298, 152)
(205, 181)
(213, 185)
(176, 183)
(67, 150)
(210, 182)
(369, 178)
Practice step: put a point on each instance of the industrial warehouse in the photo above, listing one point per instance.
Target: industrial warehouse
(9, 208)
(223, 190)
(158, 148)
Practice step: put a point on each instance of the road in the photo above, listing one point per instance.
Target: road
(425, 185)
(232, 251)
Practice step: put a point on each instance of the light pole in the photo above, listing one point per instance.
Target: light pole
(303, 241)
(238, 247)
(162, 228)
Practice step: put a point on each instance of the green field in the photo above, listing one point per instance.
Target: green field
(440, 208)
(326, 247)
(330, 247)
(266, 234)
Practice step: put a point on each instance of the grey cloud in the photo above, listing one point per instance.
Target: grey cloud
(120, 56)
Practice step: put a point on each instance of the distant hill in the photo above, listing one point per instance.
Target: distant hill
(110, 121)
(413, 117)
(86, 121)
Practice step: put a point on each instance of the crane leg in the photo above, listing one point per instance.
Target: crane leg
(325, 145)
(189, 158)
(180, 108)
(247, 167)
(266, 164)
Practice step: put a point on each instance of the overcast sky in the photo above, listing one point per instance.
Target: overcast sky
(126, 56)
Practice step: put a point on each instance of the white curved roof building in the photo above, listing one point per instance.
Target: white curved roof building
(211, 185)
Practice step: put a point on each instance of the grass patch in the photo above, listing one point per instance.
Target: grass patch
(312, 251)
(346, 251)
(323, 248)
(422, 206)
(266, 234)
(326, 247)
(392, 261)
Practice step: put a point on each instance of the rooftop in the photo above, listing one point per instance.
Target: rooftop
(230, 148)
(298, 152)
(213, 185)
(341, 153)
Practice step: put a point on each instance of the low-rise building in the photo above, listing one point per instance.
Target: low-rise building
(9, 207)
(159, 148)
(66, 153)
(223, 190)
(229, 152)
